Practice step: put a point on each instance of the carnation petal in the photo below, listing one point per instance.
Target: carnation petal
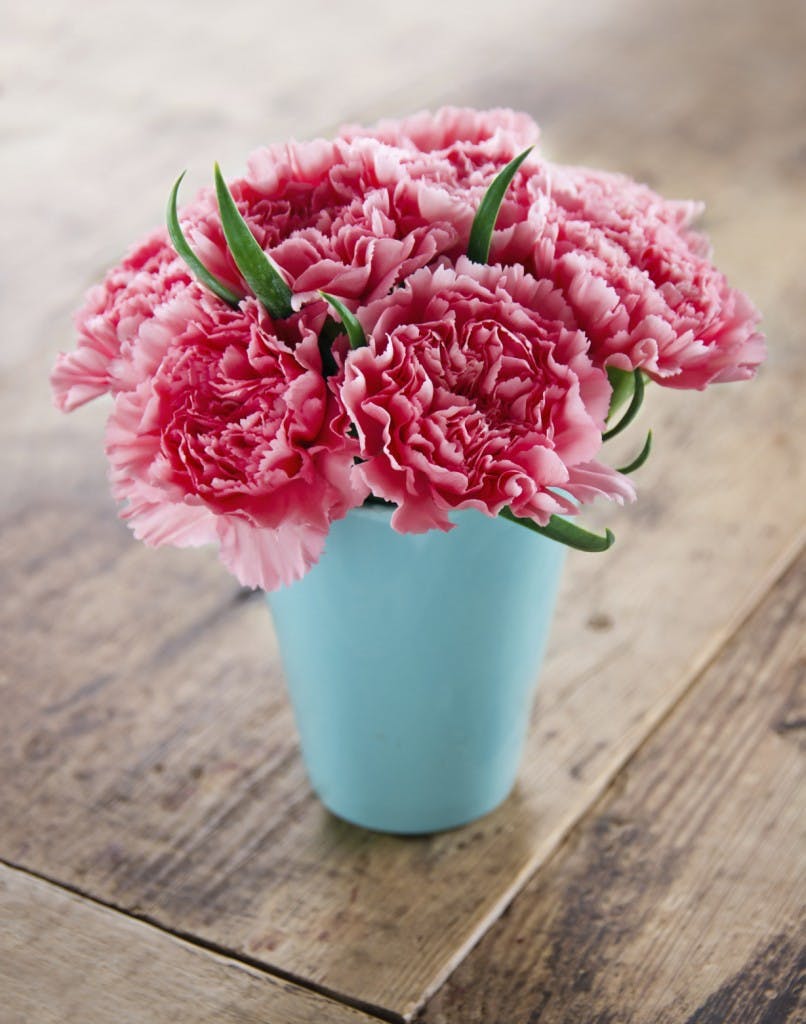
(78, 377)
(268, 558)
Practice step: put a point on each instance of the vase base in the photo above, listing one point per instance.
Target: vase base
(421, 824)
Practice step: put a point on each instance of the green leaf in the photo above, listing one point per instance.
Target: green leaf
(640, 459)
(623, 384)
(632, 408)
(355, 332)
(180, 243)
(481, 234)
(564, 532)
(259, 272)
(330, 331)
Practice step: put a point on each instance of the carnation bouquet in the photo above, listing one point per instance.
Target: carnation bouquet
(424, 326)
(426, 314)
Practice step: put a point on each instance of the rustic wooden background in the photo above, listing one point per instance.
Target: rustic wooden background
(162, 857)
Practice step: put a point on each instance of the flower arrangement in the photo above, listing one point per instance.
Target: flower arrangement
(426, 314)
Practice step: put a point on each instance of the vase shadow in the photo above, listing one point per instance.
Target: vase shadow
(417, 898)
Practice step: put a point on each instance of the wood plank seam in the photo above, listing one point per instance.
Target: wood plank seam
(379, 1012)
(610, 783)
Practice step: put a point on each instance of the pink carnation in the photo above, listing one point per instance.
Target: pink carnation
(232, 435)
(481, 386)
(325, 212)
(500, 133)
(639, 280)
(448, 159)
(111, 316)
(331, 217)
(473, 393)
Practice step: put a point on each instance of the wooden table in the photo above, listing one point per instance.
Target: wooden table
(162, 856)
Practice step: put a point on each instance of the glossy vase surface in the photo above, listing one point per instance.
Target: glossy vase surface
(411, 662)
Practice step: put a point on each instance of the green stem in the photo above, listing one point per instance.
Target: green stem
(640, 459)
(632, 408)
(259, 272)
(350, 322)
(182, 246)
(481, 233)
(564, 532)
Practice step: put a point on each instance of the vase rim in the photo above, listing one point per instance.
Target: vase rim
(384, 513)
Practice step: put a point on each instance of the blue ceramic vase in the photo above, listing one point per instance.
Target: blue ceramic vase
(411, 662)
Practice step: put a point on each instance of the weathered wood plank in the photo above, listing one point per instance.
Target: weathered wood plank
(680, 897)
(63, 958)
(146, 748)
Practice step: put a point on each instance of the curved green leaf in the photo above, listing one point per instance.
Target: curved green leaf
(623, 384)
(350, 322)
(564, 532)
(481, 234)
(632, 408)
(640, 459)
(330, 331)
(197, 268)
(259, 272)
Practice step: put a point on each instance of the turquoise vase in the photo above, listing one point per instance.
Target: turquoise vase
(411, 662)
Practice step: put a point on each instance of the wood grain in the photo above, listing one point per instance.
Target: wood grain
(680, 898)
(65, 959)
(147, 753)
